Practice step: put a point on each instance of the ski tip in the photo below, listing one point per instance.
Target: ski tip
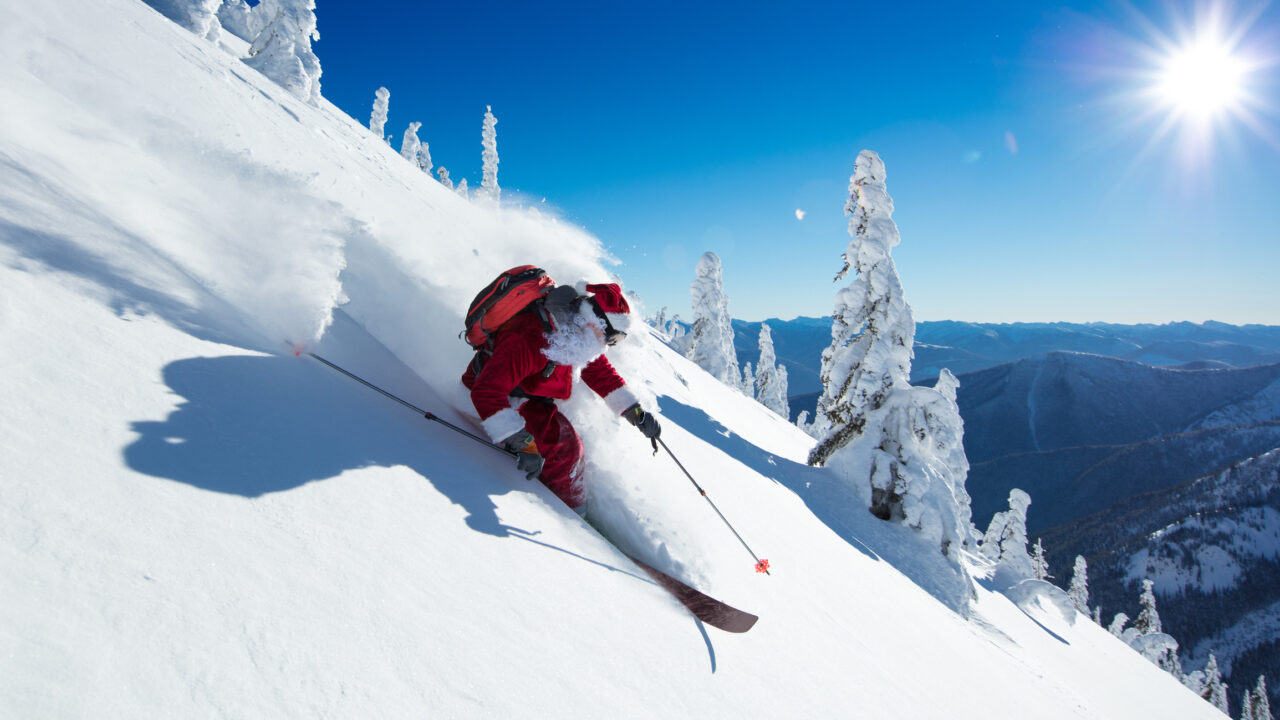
(296, 348)
(762, 567)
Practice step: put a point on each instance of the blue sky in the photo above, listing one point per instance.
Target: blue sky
(1032, 177)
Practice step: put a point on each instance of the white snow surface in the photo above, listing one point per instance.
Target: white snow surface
(196, 523)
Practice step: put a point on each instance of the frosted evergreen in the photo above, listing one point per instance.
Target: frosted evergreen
(410, 144)
(1078, 591)
(872, 328)
(1148, 621)
(771, 379)
(489, 139)
(748, 381)
(1213, 689)
(442, 173)
(198, 16)
(381, 106)
(1005, 541)
(913, 436)
(1039, 565)
(710, 344)
(241, 20)
(282, 51)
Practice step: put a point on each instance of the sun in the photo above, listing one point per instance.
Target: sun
(1201, 80)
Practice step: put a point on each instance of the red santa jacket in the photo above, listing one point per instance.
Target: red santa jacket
(518, 362)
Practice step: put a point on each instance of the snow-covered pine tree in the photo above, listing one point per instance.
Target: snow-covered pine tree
(381, 107)
(1148, 622)
(659, 321)
(410, 144)
(771, 379)
(1039, 565)
(748, 381)
(872, 328)
(1097, 616)
(802, 420)
(1117, 624)
(241, 20)
(443, 174)
(1078, 591)
(1005, 541)
(198, 16)
(780, 381)
(489, 139)
(282, 51)
(461, 188)
(1260, 704)
(1246, 706)
(424, 158)
(710, 344)
(912, 435)
(1212, 688)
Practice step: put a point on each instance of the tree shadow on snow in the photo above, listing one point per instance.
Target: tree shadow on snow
(252, 425)
(832, 499)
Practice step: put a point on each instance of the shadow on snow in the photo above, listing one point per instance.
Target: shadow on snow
(832, 499)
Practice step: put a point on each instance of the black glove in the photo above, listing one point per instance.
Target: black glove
(528, 461)
(647, 423)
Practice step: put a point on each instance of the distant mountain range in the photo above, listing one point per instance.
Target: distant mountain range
(967, 347)
(1151, 450)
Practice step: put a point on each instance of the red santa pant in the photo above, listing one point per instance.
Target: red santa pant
(561, 450)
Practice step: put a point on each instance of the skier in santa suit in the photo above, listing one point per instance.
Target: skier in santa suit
(535, 357)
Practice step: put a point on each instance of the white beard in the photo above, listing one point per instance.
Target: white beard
(576, 340)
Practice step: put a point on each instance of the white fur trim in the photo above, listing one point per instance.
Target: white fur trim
(619, 321)
(503, 424)
(620, 400)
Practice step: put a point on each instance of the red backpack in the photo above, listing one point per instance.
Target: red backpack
(500, 300)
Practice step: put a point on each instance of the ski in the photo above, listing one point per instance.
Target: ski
(704, 607)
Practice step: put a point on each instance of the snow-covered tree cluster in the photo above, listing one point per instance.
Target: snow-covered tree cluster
(279, 33)
(868, 408)
(418, 152)
(709, 343)
(282, 51)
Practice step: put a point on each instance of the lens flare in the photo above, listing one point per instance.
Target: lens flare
(1202, 80)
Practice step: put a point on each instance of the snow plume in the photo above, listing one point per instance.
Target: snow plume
(913, 435)
(710, 341)
(489, 140)
(198, 16)
(282, 51)
(381, 106)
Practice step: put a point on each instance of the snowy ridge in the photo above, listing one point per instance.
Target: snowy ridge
(194, 522)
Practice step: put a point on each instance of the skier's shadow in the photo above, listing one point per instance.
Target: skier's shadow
(253, 425)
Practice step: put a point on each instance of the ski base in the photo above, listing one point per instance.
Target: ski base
(704, 607)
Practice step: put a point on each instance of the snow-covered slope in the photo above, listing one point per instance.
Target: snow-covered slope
(196, 523)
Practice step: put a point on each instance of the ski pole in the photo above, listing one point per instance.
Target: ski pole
(424, 413)
(762, 566)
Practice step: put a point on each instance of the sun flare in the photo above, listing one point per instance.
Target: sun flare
(1202, 79)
